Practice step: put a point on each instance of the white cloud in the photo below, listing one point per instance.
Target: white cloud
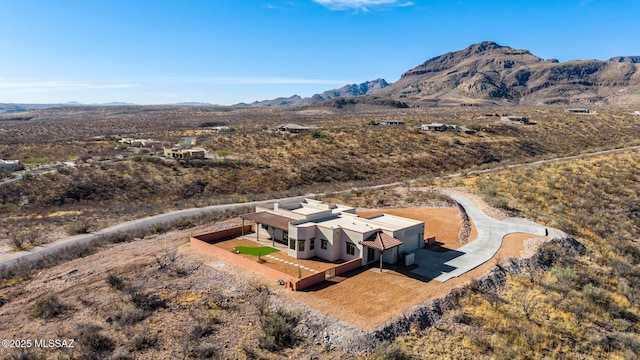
(39, 85)
(364, 5)
(30, 85)
(252, 80)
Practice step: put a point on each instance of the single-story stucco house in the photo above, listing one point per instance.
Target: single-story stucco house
(311, 228)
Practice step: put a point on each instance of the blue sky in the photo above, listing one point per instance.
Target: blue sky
(230, 51)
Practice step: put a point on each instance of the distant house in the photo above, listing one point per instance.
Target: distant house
(495, 114)
(439, 127)
(9, 165)
(391, 122)
(140, 142)
(311, 228)
(637, 113)
(520, 119)
(577, 111)
(294, 128)
(184, 154)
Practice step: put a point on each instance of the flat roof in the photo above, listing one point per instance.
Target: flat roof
(393, 222)
(306, 211)
(339, 221)
(294, 126)
(267, 218)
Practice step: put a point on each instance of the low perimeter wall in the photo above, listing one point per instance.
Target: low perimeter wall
(205, 243)
(311, 280)
(214, 237)
(205, 246)
(348, 266)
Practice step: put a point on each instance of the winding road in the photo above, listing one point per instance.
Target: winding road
(11, 258)
(442, 267)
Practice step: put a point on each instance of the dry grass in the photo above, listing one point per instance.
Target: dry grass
(583, 307)
(261, 164)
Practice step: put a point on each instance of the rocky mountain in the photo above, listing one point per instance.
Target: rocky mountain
(626, 59)
(491, 74)
(346, 91)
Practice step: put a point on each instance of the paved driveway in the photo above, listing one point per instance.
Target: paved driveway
(443, 266)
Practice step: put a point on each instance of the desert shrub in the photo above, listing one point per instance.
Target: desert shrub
(203, 351)
(116, 282)
(168, 257)
(278, 329)
(78, 227)
(143, 340)
(145, 301)
(129, 315)
(17, 242)
(392, 352)
(8, 207)
(3, 301)
(316, 133)
(48, 308)
(25, 354)
(460, 317)
(92, 343)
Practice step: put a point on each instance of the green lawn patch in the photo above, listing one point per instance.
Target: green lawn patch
(255, 251)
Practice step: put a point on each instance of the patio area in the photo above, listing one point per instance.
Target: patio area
(279, 261)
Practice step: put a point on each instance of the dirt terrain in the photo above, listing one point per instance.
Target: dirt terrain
(189, 296)
(371, 298)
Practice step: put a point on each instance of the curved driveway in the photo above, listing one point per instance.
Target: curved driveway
(443, 266)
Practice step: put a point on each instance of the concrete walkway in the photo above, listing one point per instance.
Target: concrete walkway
(443, 266)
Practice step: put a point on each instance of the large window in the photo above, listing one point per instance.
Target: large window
(312, 243)
(351, 248)
(292, 244)
(324, 244)
(300, 245)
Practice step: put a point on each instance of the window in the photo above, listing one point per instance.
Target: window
(265, 227)
(292, 244)
(285, 235)
(351, 249)
(323, 244)
(312, 243)
(300, 245)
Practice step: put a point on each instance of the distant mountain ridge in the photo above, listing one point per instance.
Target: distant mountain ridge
(490, 74)
(481, 74)
(7, 108)
(346, 91)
